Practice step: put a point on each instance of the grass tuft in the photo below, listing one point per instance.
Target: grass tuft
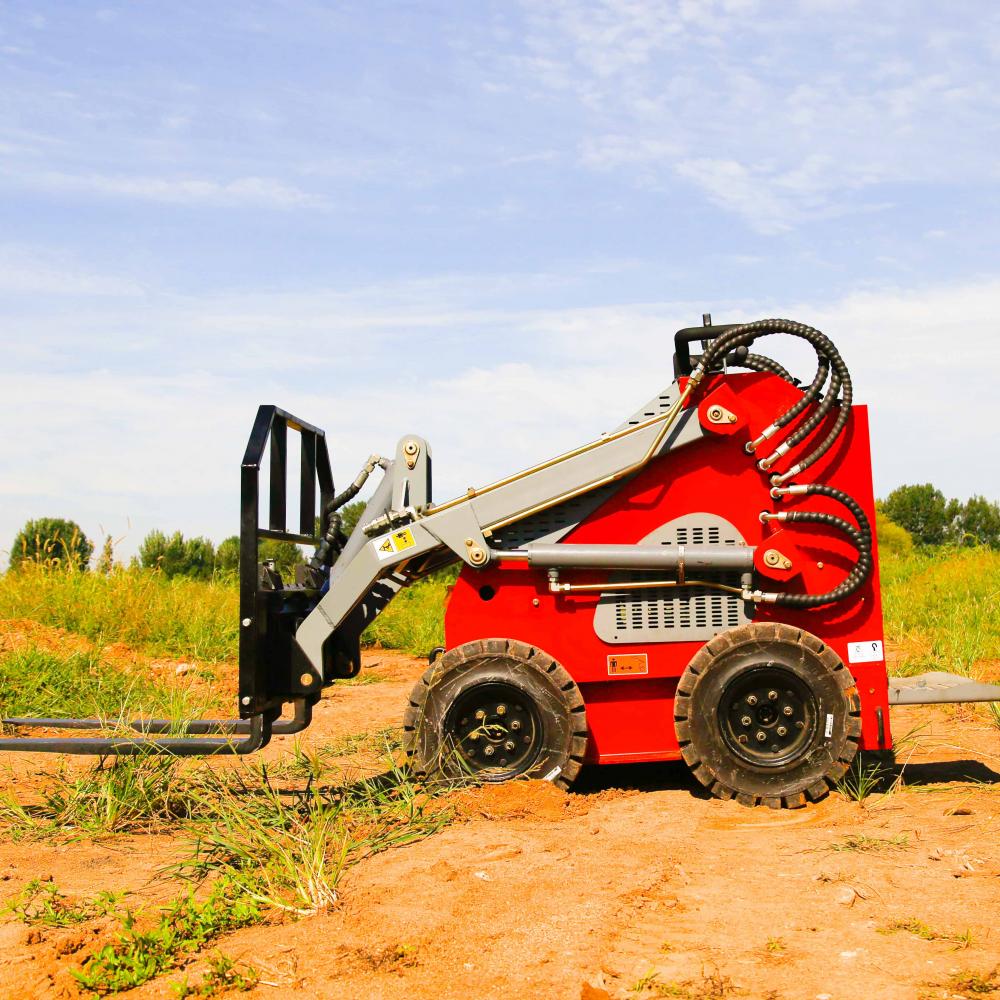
(863, 844)
(919, 929)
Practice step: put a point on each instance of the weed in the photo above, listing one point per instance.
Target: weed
(221, 977)
(919, 929)
(42, 903)
(973, 982)
(861, 780)
(864, 844)
(290, 853)
(775, 945)
(183, 928)
(135, 794)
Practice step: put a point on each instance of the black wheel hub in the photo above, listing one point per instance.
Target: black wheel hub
(768, 715)
(495, 727)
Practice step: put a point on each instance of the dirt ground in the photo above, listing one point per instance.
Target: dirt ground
(634, 885)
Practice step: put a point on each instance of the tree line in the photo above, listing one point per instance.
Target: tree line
(910, 515)
(58, 541)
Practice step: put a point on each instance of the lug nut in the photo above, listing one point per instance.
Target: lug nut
(800, 724)
(781, 731)
(786, 710)
(761, 736)
(480, 714)
(515, 725)
(473, 736)
(746, 720)
(489, 751)
(743, 739)
(772, 695)
(509, 745)
(751, 699)
(501, 709)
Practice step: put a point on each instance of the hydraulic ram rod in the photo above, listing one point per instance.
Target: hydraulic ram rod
(687, 557)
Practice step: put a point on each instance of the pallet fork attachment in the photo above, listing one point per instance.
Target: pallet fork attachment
(269, 614)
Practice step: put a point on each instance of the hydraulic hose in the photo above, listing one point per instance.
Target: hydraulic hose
(333, 539)
(733, 345)
(759, 363)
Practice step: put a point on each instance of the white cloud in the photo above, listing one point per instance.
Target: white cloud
(780, 113)
(493, 390)
(241, 191)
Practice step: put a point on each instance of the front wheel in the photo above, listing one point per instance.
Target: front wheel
(494, 710)
(768, 714)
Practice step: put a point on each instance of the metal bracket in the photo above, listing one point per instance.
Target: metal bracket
(938, 688)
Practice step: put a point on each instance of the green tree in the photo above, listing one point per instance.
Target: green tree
(227, 555)
(922, 510)
(178, 556)
(51, 541)
(975, 522)
(351, 513)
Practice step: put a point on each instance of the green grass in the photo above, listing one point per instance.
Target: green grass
(37, 682)
(190, 618)
(942, 608)
(141, 608)
(414, 621)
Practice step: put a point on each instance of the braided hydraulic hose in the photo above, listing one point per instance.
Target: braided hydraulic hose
(806, 427)
(746, 333)
(759, 363)
(808, 396)
(830, 364)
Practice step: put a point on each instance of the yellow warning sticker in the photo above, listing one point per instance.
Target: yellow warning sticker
(628, 663)
(388, 545)
(403, 540)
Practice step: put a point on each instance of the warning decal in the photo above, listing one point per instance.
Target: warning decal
(388, 545)
(869, 651)
(628, 663)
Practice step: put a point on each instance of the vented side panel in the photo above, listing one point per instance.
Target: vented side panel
(550, 525)
(675, 614)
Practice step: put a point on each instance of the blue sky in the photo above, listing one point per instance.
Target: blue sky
(480, 222)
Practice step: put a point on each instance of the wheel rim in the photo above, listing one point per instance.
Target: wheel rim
(768, 716)
(495, 729)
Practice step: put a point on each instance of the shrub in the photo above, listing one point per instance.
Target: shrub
(177, 555)
(50, 541)
(892, 539)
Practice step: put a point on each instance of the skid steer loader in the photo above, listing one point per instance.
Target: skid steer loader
(698, 583)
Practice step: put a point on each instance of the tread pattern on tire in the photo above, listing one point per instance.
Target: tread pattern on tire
(531, 658)
(756, 632)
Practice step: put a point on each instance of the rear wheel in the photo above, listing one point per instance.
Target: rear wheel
(768, 714)
(496, 709)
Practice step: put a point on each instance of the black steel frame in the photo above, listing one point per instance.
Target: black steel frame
(264, 686)
(261, 687)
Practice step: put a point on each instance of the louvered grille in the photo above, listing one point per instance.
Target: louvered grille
(675, 614)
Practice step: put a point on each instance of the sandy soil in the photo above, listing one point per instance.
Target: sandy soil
(634, 878)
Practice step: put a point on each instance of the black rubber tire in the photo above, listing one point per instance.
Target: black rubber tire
(561, 718)
(826, 752)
